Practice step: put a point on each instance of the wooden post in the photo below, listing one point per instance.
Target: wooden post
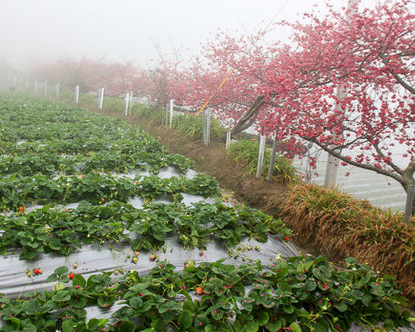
(409, 201)
(261, 154)
(228, 139)
(272, 162)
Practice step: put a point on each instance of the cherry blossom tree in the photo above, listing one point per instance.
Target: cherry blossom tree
(346, 83)
(349, 88)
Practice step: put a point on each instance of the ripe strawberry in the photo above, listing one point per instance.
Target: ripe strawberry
(199, 291)
(153, 257)
(36, 271)
(202, 253)
(287, 238)
(223, 199)
(102, 199)
(21, 208)
(83, 175)
(71, 275)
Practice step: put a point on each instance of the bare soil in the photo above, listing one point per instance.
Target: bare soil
(212, 160)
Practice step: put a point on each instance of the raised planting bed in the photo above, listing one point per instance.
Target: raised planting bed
(103, 230)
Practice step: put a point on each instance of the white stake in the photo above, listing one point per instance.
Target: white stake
(131, 102)
(228, 139)
(35, 86)
(77, 94)
(261, 155)
(46, 87)
(171, 112)
(57, 89)
(101, 97)
(127, 99)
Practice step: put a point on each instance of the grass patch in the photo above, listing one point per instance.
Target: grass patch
(113, 105)
(192, 126)
(345, 226)
(245, 153)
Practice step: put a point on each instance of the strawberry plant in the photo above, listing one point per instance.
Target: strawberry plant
(53, 229)
(300, 294)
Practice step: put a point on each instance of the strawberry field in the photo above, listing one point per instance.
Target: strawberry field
(102, 229)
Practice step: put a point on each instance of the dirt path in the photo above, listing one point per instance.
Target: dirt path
(212, 160)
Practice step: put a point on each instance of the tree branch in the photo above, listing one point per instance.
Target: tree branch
(354, 163)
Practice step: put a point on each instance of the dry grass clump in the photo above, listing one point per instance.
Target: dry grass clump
(341, 226)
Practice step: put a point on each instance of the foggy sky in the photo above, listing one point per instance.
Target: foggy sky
(36, 30)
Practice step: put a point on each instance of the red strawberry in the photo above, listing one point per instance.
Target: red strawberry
(36, 271)
(199, 291)
(71, 275)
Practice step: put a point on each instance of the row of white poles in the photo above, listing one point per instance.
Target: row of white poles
(332, 164)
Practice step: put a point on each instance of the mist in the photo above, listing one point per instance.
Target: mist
(134, 30)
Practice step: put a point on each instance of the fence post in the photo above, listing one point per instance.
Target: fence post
(409, 201)
(101, 98)
(261, 154)
(206, 127)
(77, 94)
(171, 112)
(331, 171)
(228, 139)
(131, 103)
(127, 100)
(272, 162)
(167, 114)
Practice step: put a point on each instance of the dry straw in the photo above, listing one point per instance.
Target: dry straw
(341, 226)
